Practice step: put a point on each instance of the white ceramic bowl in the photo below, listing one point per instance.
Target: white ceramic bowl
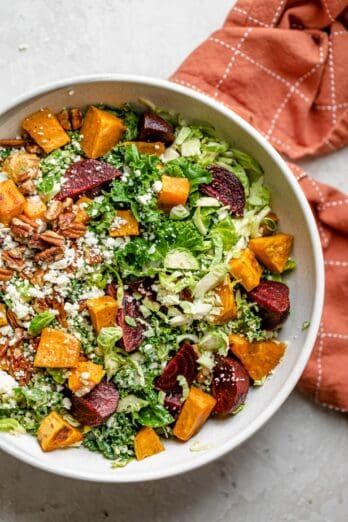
(306, 284)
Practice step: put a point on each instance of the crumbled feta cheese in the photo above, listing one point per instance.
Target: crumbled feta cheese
(7, 384)
(157, 186)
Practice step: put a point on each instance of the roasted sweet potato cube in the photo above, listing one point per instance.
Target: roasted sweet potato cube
(21, 166)
(55, 432)
(145, 147)
(34, 207)
(84, 377)
(228, 304)
(101, 131)
(147, 443)
(272, 251)
(196, 410)
(246, 269)
(45, 129)
(236, 339)
(124, 224)
(80, 211)
(175, 191)
(57, 349)
(258, 358)
(11, 201)
(3, 316)
(103, 311)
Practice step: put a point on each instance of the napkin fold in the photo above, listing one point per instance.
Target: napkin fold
(283, 66)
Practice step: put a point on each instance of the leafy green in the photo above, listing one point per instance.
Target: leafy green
(154, 416)
(11, 426)
(39, 322)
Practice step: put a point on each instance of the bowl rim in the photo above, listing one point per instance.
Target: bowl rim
(315, 319)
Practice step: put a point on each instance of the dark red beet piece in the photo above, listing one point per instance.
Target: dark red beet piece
(182, 363)
(229, 386)
(85, 175)
(273, 300)
(227, 188)
(97, 406)
(154, 128)
(133, 336)
(174, 404)
(111, 290)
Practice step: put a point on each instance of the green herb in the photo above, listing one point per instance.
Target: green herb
(305, 325)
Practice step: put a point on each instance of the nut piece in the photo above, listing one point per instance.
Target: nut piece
(5, 275)
(14, 258)
(70, 119)
(20, 229)
(74, 231)
(64, 120)
(13, 143)
(22, 167)
(37, 277)
(52, 238)
(33, 148)
(53, 211)
(65, 220)
(13, 319)
(49, 255)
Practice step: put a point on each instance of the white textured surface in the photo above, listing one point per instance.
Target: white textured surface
(294, 469)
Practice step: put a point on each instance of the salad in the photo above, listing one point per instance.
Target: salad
(141, 279)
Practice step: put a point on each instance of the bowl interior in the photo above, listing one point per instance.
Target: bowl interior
(306, 284)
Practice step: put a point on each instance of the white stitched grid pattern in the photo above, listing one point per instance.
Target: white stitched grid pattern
(332, 83)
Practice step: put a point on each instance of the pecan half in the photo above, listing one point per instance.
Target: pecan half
(21, 230)
(27, 188)
(13, 319)
(52, 238)
(40, 305)
(37, 243)
(5, 274)
(33, 148)
(32, 222)
(68, 203)
(37, 278)
(54, 209)
(62, 315)
(14, 258)
(65, 220)
(70, 119)
(64, 120)
(49, 255)
(74, 231)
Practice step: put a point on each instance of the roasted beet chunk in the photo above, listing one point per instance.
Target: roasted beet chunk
(85, 175)
(273, 300)
(128, 319)
(230, 385)
(227, 188)
(182, 363)
(174, 404)
(155, 128)
(96, 407)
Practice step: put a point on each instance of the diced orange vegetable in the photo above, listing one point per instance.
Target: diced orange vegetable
(103, 311)
(11, 201)
(34, 207)
(147, 443)
(258, 358)
(128, 225)
(21, 166)
(45, 129)
(228, 304)
(175, 191)
(101, 131)
(237, 339)
(246, 269)
(81, 213)
(85, 377)
(196, 410)
(3, 316)
(272, 251)
(57, 349)
(54, 432)
(145, 147)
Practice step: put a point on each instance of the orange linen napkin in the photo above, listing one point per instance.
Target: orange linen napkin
(283, 66)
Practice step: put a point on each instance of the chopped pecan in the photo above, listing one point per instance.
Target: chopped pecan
(5, 274)
(92, 258)
(82, 305)
(70, 119)
(62, 315)
(33, 148)
(14, 258)
(54, 209)
(13, 319)
(52, 238)
(21, 230)
(32, 222)
(64, 220)
(68, 203)
(37, 243)
(74, 231)
(13, 143)
(64, 119)
(76, 118)
(40, 305)
(37, 277)
(27, 188)
(49, 255)
(18, 365)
